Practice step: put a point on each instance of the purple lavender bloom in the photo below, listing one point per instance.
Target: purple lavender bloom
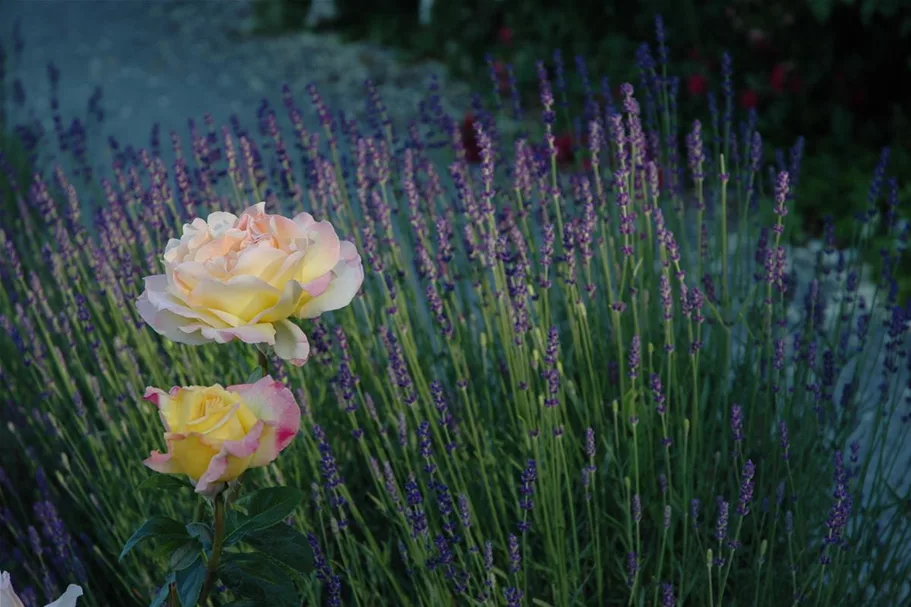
(464, 511)
(324, 571)
(658, 394)
(515, 556)
(737, 423)
(695, 154)
(513, 596)
(495, 79)
(634, 358)
(746, 488)
(547, 98)
(784, 440)
(392, 487)
(667, 595)
(527, 491)
(329, 470)
(841, 508)
(721, 525)
(695, 505)
(662, 41)
(637, 509)
(632, 568)
(425, 448)
(782, 185)
(416, 515)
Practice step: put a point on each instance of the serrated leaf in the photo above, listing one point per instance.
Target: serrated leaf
(202, 532)
(162, 482)
(158, 527)
(185, 555)
(285, 545)
(265, 508)
(190, 581)
(253, 576)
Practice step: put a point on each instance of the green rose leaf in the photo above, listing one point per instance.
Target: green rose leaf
(254, 576)
(162, 595)
(163, 482)
(185, 555)
(202, 532)
(190, 581)
(284, 545)
(265, 508)
(158, 527)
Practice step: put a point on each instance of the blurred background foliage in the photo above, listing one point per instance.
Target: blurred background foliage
(837, 72)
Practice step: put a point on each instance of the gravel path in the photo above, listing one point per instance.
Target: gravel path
(164, 61)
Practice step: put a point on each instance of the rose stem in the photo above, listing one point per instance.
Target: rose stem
(263, 363)
(216, 548)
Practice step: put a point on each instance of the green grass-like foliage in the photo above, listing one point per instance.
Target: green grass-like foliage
(532, 401)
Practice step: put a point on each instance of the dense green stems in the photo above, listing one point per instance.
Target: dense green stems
(730, 561)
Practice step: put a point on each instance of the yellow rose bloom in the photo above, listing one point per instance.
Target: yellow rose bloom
(215, 434)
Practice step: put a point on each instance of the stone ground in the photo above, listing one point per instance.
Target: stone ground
(164, 61)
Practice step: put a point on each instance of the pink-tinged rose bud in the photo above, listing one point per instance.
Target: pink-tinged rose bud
(215, 434)
(232, 277)
(8, 597)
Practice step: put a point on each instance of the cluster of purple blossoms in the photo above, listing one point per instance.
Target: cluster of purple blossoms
(526, 493)
(841, 507)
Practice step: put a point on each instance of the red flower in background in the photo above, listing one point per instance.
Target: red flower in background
(779, 77)
(504, 36)
(749, 99)
(564, 145)
(697, 84)
(796, 83)
(470, 139)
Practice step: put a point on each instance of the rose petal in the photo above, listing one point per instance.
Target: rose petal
(262, 262)
(158, 294)
(230, 462)
(7, 594)
(220, 221)
(274, 404)
(286, 306)
(167, 323)
(261, 333)
(242, 296)
(348, 276)
(161, 462)
(317, 287)
(68, 599)
(156, 396)
(320, 246)
(290, 343)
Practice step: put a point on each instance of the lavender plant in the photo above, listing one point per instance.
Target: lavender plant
(605, 383)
